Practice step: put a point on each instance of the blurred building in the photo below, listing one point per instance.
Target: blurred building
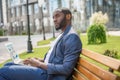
(111, 7)
(1, 14)
(15, 16)
(83, 9)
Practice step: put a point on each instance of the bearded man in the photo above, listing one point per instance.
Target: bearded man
(60, 60)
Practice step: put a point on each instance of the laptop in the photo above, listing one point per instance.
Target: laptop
(14, 56)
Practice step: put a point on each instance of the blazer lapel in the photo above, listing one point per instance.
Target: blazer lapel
(54, 49)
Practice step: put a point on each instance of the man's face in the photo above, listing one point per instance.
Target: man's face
(58, 18)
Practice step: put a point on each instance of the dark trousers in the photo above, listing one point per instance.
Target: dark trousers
(12, 71)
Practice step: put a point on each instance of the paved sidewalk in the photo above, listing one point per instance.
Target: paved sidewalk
(114, 33)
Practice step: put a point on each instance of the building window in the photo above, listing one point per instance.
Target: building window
(110, 2)
(36, 8)
(23, 1)
(30, 9)
(12, 12)
(11, 3)
(88, 8)
(45, 22)
(23, 10)
(100, 2)
(17, 2)
(24, 25)
(17, 11)
(45, 8)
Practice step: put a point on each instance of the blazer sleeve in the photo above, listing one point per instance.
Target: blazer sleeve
(72, 46)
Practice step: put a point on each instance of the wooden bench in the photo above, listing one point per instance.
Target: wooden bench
(86, 69)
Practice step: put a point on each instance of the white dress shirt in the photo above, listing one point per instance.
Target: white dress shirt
(52, 46)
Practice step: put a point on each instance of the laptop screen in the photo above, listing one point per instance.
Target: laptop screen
(12, 52)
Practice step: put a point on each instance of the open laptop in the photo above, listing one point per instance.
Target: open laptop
(14, 56)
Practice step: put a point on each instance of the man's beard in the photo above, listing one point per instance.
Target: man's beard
(62, 24)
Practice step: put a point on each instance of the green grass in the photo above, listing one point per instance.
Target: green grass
(44, 42)
(38, 52)
(4, 62)
(112, 44)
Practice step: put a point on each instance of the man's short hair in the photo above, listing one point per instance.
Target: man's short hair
(64, 11)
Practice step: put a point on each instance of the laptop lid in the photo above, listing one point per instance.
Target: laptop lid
(14, 56)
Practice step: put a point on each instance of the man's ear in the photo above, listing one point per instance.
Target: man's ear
(68, 17)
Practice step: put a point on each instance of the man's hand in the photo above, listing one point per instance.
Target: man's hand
(32, 61)
(35, 62)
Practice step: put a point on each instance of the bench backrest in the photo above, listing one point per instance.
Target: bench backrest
(87, 69)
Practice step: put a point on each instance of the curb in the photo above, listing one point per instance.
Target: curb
(3, 39)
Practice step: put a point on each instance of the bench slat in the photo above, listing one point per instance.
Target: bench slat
(77, 76)
(87, 73)
(103, 74)
(108, 61)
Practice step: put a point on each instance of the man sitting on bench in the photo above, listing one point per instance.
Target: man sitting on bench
(59, 61)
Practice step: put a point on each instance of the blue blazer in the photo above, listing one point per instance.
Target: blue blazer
(64, 55)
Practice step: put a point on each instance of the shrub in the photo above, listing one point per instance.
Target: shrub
(1, 32)
(111, 53)
(24, 33)
(96, 34)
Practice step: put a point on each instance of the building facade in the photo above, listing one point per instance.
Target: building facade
(1, 14)
(83, 9)
(111, 7)
(15, 16)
